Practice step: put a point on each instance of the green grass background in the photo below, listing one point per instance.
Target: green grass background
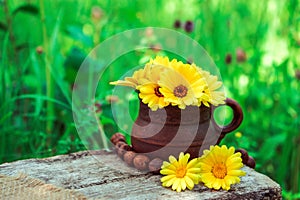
(43, 43)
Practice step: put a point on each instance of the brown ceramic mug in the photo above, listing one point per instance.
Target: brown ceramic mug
(172, 130)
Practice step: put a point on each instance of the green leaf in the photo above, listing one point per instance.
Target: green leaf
(76, 33)
(45, 98)
(22, 46)
(290, 195)
(28, 8)
(5, 116)
(106, 120)
(75, 58)
(268, 149)
(3, 27)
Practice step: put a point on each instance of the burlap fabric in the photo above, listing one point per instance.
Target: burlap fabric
(24, 187)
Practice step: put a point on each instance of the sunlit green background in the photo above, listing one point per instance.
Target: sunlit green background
(255, 44)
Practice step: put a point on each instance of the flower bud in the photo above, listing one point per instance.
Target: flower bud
(98, 107)
(96, 13)
(297, 74)
(149, 32)
(240, 55)
(39, 50)
(112, 98)
(228, 59)
(177, 24)
(189, 26)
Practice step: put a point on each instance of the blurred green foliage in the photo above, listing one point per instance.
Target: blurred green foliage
(255, 44)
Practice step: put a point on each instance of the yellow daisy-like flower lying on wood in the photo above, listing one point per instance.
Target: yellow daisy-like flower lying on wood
(180, 174)
(220, 167)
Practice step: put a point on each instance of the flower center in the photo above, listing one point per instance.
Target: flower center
(157, 92)
(180, 172)
(219, 170)
(180, 91)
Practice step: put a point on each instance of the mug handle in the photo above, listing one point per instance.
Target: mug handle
(236, 121)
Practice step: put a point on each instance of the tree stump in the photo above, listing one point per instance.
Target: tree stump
(103, 175)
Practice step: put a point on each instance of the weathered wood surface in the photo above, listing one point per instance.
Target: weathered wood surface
(103, 175)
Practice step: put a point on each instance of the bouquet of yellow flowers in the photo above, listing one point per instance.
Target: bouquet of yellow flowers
(163, 82)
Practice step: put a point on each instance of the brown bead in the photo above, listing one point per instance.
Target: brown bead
(129, 156)
(251, 162)
(119, 144)
(141, 162)
(113, 139)
(119, 140)
(117, 137)
(122, 148)
(155, 165)
(244, 156)
(121, 152)
(125, 146)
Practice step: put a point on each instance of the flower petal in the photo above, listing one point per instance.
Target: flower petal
(189, 183)
(170, 182)
(183, 184)
(217, 184)
(194, 170)
(167, 172)
(176, 184)
(192, 163)
(167, 178)
(236, 173)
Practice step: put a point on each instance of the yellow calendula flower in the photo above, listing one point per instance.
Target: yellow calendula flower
(220, 167)
(211, 95)
(150, 94)
(180, 174)
(139, 77)
(182, 87)
(163, 82)
(159, 60)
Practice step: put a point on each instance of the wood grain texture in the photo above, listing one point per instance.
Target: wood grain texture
(103, 175)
